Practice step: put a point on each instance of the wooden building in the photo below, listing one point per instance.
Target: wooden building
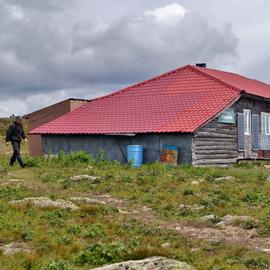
(213, 117)
(45, 115)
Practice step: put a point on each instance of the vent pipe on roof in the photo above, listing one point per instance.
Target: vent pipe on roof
(203, 65)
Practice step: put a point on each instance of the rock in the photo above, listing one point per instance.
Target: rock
(235, 220)
(166, 245)
(16, 181)
(208, 218)
(194, 207)
(195, 249)
(225, 178)
(268, 178)
(98, 199)
(87, 200)
(44, 202)
(93, 179)
(266, 166)
(154, 263)
(146, 209)
(195, 183)
(13, 182)
(123, 211)
(15, 247)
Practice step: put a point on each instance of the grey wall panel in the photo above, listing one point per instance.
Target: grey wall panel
(184, 144)
(115, 147)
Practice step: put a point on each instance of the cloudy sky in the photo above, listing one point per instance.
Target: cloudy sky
(54, 49)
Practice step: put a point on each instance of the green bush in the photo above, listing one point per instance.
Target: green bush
(60, 265)
(257, 264)
(253, 197)
(32, 162)
(76, 230)
(99, 254)
(95, 231)
(188, 191)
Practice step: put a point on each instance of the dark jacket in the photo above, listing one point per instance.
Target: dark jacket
(15, 132)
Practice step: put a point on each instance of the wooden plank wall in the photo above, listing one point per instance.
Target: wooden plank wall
(215, 144)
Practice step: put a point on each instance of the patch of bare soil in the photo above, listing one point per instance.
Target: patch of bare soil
(229, 234)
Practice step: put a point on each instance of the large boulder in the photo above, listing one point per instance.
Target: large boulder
(153, 263)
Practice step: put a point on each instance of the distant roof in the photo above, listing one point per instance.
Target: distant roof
(69, 99)
(250, 86)
(181, 100)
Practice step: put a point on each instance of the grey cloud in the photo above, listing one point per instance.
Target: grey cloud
(46, 46)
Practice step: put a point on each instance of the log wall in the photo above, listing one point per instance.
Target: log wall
(215, 144)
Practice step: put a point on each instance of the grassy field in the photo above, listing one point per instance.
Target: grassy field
(153, 210)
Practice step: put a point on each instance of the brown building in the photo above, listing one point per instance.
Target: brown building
(45, 115)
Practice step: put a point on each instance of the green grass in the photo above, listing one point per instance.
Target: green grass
(99, 234)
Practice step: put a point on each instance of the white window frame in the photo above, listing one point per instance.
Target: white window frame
(266, 119)
(247, 121)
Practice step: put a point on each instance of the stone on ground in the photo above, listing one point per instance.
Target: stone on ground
(225, 178)
(87, 200)
(194, 207)
(98, 199)
(154, 263)
(235, 220)
(195, 183)
(91, 178)
(15, 247)
(44, 202)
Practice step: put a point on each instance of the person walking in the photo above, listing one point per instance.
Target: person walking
(15, 134)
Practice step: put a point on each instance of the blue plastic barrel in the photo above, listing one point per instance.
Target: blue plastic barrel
(135, 155)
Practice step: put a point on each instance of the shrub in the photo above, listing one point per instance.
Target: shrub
(55, 218)
(188, 191)
(27, 235)
(98, 254)
(71, 158)
(250, 224)
(96, 231)
(79, 157)
(76, 230)
(253, 197)
(256, 264)
(32, 162)
(60, 265)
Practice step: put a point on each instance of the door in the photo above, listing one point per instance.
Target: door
(248, 133)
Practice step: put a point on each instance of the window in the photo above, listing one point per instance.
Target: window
(266, 123)
(247, 122)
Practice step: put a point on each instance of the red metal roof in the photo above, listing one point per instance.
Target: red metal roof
(178, 101)
(250, 86)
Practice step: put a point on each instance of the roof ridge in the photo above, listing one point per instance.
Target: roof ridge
(212, 77)
(142, 83)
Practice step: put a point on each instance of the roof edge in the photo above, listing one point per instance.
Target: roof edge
(200, 71)
(218, 113)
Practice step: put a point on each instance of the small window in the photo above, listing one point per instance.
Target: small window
(247, 122)
(267, 123)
